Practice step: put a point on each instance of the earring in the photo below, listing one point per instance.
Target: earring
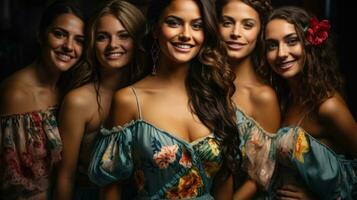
(154, 51)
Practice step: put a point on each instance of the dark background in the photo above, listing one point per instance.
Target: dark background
(19, 20)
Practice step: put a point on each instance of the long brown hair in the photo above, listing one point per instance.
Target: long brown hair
(134, 22)
(263, 8)
(320, 76)
(209, 81)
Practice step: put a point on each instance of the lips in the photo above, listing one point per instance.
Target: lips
(286, 65)
(182, 47)
(113, 55)
(63, 56)
(235, 45)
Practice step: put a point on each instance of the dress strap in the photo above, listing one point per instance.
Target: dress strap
(137, 101)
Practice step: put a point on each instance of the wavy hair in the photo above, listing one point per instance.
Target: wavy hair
(133, 21)
(209, 81)
(320, 76)
(263, 8)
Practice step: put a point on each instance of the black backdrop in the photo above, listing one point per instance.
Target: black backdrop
(19, 20)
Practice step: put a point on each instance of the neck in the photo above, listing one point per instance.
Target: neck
(47, 76)
(295, 88)
(174, 73)
(244, 71)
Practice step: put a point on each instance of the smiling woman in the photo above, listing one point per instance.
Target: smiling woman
(112, 62)
(171, 132)
(30, 144)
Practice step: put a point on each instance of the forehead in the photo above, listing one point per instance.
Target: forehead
(185, 9)
(238, 9)
(279, 28)
(70, 23)
(109, 22)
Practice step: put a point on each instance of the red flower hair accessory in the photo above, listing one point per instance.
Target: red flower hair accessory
(317, 33)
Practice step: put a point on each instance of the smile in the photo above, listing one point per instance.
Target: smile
(114, 55)
(182, 47)
(63, 56)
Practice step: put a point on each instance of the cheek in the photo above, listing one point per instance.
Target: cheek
(270, 56)
(199, 37)
(225, 32)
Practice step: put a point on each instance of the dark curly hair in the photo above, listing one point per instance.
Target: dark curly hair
(263, 8)
(320, 76)
(209, 81)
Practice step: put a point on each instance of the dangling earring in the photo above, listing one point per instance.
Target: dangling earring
(154, 51)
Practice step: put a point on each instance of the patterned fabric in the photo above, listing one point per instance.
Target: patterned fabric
(257, 149)
(316, 166)
(30, 146)
(160, 165)
(292, 156)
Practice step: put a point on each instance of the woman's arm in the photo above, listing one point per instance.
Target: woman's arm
(75, 112)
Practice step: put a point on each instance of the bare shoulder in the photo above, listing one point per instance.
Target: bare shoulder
(124, 107)
(266, 108)
(265, 95)
(333, 108)
(81, 100)
(16, 96)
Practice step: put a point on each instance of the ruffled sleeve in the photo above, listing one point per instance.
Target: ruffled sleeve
(257, 149)
(30, 146)
(327, 174)
(112, 157)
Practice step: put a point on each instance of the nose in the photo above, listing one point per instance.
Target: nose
(113, 42)
(282, 51)
(68, 45)
(235, 34)
(185, 34)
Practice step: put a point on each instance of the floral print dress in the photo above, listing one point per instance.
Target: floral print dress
(292, 156)
(30, 146)
(160, 165)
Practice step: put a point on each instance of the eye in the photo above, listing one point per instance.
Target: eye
(79, 40)
(270, 45)
(292, 41)
(59, 33)
(100, 37)
(248, 25)
(226, 23)
(124, 36)
(197, 26)
(173, 23)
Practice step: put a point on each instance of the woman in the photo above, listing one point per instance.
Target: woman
(240, 27)
(30, 144)
(305, 73)
(113, 39)
(168, 127)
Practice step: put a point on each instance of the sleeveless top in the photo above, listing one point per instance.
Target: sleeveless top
(160, 165)
(30, 146)
(292, 156)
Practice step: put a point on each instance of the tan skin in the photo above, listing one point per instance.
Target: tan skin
(332, 123)
(163, 97)
(239, 31)
(34, 87)
(79, 116)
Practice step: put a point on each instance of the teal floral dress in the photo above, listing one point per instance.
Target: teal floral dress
(30, 146)
(160, 165)
(292, 156)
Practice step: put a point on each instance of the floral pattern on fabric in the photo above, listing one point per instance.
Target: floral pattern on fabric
(162, 166)
(30, 146)
(187, 187)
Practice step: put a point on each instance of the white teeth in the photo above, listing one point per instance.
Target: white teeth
(183, 46)
(64, 57)
(113, 55)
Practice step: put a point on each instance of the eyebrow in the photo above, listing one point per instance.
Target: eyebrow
(228, 17)
(180, 19)
(285, 37)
